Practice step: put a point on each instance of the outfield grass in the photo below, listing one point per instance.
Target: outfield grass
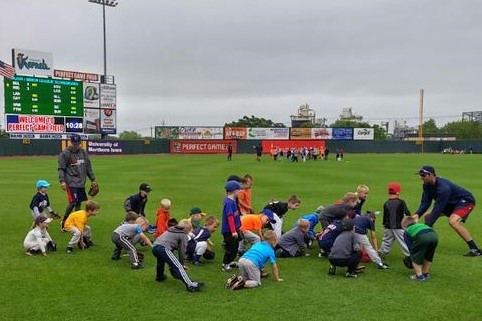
(89, 286)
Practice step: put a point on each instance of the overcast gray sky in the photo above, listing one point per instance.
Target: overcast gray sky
(210, 62)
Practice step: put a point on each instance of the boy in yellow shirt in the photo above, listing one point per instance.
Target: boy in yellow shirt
(76, 224)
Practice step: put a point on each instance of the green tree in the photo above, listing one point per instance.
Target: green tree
(380, 133)
(463, 129)
(253, 121)
(129, 135)
(430, 127)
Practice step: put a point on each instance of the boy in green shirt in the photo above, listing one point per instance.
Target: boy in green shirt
(422, 241)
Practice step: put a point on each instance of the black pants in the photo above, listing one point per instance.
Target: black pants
(351, 263)
(176, 269)
(231, 245)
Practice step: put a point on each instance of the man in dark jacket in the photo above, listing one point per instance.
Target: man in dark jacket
(74, 167)
(137, 202)
(450, 200)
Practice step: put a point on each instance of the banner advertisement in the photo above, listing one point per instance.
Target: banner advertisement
(322, 133)
(35, 124)
(363, 133)
(166, 132)
(44, 136)
(201, 132)
(83, 76)
(268, 133)
(32, 63)
(107, 121)
(92, 121)
(107, 96)
(342, 133)
(91, 95)
(201, 147)
(103, 147)
(235, 133)
(300, 133)
(269, 145)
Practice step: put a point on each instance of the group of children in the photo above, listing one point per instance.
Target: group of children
(304, 153)
(347, 235)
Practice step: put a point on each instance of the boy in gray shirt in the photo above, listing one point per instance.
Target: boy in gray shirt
(123, 236)
(292, 243)
(346, 251)
(175, 238)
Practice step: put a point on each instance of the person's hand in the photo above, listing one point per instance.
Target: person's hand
(94, 183)
(185, 267)
(415, 217)
(235, 235)
(63, 186)
(82, 245)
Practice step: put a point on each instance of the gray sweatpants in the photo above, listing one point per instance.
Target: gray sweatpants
(122, 242)
(76, 235)
(248, 237)
(365, 243)
(250, 273)
(390, 236)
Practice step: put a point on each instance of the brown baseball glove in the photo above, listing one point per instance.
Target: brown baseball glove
(94, 189)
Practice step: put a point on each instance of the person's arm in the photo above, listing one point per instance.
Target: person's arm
(443, 195)
(232, 225)
(62, 168)
(143, 206)
(276, 273)
(424, 203)
(406, 211)
(36, 211)
(300, 242)
(182, 249)
(146, 239)
(128, 204)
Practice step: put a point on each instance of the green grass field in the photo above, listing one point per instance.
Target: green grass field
(89, 286)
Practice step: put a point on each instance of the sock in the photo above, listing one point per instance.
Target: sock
(472, 245)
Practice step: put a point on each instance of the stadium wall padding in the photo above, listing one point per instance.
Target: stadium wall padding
(17, 147)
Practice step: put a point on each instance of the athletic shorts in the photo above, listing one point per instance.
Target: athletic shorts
(76, 195)
(423, 248)
(462, 209)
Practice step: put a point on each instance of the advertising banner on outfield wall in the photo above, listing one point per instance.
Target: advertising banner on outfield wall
(363, 133)
(103, 147)
(268, 133)
(201, 132)
(235, 132)
(322, 133)
(342, 133)
(201, 147)
(166, 132)
(300, 133)
(35, 124)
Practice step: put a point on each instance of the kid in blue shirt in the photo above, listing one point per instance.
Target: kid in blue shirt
(231, 223)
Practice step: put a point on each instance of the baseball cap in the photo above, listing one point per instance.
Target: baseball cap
(232, 186)
(347, 225)
(427, 169)
(75, 139)
(42, 183)
(394, 188)
(145, 187)
(234, 178)
(269, 214)
(40, 219)
(196, 210)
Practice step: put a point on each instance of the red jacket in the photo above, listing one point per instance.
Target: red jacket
(161, 222)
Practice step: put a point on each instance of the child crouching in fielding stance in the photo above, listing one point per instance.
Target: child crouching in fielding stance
(123, 238)
(175, 238)
(76, 224)
(40, 204)
(38, 239)
(200, 244)
(252, 263)
(422, 242)
(346, 251)
(163, 217)
(292, 243)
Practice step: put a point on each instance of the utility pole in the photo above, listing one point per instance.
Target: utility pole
(420, 122)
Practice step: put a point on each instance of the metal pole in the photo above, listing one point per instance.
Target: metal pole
(420, 130)
(105, 45)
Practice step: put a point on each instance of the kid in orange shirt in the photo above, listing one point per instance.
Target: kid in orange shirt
(163, 217)
(244, 196)
(252, 228)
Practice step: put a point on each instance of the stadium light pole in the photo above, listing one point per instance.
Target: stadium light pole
(109, 3)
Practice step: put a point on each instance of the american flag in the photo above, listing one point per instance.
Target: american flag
(6, 70)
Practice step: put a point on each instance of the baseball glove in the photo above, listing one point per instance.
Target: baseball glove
(140, 255)
(54, 215)
(94, 189)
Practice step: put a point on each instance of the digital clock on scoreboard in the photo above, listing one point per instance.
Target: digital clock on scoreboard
(43, 96)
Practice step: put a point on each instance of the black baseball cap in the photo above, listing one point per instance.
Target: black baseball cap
(347, 225)
(426, 170)
(145, 187)
(75, 139)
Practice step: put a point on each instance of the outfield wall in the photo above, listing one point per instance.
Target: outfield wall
(14, 147)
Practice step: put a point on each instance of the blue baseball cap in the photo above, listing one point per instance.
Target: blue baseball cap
(75, 139)
(426, 170)
(269, 214)
(232, 186)
(42, 183)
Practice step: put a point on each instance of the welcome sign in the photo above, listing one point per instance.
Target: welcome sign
(32, 63)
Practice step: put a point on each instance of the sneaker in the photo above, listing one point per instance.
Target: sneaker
(351, 275)
(162, 278)
(382, 266)
(332, 270)
(427, 275)
(238, 285)
(233, 278)
(322, 254)
(90, 243)
(473, 252)
(136, 266)
(29, 253)
(264, 274)
(226, 268)
(418, 278)
(193, 288)
(115, 258)
(233, 265)
(69, 249)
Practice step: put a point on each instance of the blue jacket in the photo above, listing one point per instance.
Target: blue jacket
(313, 219)
(446, 194)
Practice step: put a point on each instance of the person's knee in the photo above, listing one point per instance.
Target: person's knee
(454, 220)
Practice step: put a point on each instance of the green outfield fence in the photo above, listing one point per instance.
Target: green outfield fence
(19, 147)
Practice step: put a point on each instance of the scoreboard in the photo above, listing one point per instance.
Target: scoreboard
(43, 96)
